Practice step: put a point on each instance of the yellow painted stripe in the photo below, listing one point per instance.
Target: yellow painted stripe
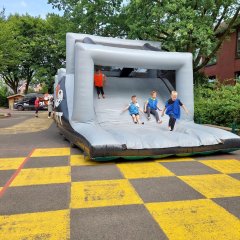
(143, 170)
(78, 160)
(103, 193)
(35, 176)
(10, 163)
(175, 160)
(81, 160)
(195, 219)
(54, 225)
(51, 152)
(224, 166)
(214, 186)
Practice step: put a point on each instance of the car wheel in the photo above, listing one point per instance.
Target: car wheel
(20, 108)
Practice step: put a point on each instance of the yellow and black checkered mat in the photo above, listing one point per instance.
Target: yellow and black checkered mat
(56, 194)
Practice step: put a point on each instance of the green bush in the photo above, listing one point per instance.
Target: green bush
(3, 95)
(200, 78)
(217, 104)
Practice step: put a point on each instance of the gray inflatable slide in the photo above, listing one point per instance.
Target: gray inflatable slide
(99, 126)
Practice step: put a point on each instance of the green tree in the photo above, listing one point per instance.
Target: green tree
(217, 104)
(98, 17)
(4, 93)
(53, 49)
(10, 54)
(2, 14)
(196, 26)
(19, 49)
(31, 48)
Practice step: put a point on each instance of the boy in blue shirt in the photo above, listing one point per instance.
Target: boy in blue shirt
(134, 109)
(151, 107)
(172, 108)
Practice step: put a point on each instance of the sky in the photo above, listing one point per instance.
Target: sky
(32, 7)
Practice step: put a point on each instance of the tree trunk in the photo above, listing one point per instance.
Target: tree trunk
(11, 82)
(29, 78)
(26, 87)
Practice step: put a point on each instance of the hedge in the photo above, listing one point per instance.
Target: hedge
(3, 95)
(217, 104)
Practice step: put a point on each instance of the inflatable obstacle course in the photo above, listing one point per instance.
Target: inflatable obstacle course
(99, 127)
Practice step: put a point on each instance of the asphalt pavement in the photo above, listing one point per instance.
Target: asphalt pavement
(51, 191)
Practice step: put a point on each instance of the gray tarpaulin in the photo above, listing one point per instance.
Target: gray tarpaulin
(112, 126)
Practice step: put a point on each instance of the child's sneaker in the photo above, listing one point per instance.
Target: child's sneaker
(148, 118)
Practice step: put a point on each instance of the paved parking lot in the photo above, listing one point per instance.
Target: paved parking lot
(50, 191)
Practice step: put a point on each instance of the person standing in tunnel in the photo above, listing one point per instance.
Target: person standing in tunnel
(99, 81)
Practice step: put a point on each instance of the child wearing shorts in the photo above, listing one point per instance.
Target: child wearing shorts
(134, 109)
(173, 110)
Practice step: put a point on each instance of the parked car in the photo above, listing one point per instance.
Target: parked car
(28, 102)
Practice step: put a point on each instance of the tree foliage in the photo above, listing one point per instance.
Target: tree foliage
(217, 104)
(4, 93)
(197, 26)
(98, 17)
(8, 56)
(31, 48)
(53, 49)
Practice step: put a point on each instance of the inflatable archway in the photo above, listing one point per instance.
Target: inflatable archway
(99, 127)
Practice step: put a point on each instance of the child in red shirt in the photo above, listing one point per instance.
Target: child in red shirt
(36, 105)
(99, 80)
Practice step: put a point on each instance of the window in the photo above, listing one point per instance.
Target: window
(238, 43)
(237, 76)
(212, 79)
(212, 61)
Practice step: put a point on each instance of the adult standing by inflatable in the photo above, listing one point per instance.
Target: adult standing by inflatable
(99, 80)
(50, 106)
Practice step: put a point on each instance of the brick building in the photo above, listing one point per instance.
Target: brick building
(226, 65)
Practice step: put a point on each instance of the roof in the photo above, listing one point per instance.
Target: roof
(16, 95)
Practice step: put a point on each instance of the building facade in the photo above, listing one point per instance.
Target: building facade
(226, 66)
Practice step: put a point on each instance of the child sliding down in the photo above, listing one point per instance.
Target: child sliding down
(151, 107)
(172, 108)
(134, 109)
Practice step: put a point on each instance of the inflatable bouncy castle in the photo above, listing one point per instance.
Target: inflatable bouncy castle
(132, 67)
